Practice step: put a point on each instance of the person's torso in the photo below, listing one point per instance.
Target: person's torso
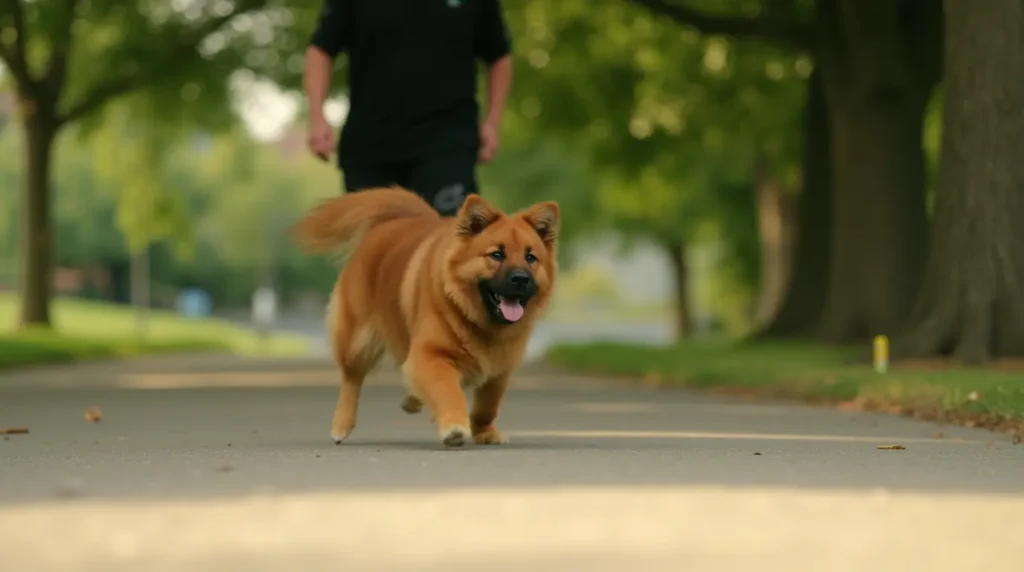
(412, 77)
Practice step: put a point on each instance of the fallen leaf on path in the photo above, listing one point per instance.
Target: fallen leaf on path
(14, 431)
(652, 379)
(891, 447)
(93, 415)
(938, 435)
(224, 469)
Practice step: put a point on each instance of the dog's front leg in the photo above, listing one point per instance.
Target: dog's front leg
(437, 380)
(486, 401)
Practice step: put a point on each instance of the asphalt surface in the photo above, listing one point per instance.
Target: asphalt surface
(219, 464)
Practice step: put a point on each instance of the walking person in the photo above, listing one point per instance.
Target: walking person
(413, 116)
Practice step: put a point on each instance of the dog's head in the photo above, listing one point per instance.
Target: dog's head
(502, 268)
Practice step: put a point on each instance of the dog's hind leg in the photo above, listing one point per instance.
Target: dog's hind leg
(357, 349)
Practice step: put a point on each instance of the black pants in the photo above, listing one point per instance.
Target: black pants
(443, 179)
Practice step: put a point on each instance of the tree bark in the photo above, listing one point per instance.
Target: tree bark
(879, 63)
(801, 309)
(680, 275)
(775, 235)
(880, 228)
(36, 251)
(972, 301)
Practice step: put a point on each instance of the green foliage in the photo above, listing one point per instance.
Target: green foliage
(523, 174)
(628, 120)
(736, 276)
(671, 122)
(224, 186)
(660, 109)
(170, 66)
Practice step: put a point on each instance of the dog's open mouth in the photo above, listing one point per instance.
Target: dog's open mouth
(508, 309)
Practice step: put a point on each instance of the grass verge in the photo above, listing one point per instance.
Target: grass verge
(85, 330)
(992, 397)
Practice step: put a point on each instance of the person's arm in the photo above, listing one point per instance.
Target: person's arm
(494, 47)
(499, 81)
(329, 39)
(317, 81)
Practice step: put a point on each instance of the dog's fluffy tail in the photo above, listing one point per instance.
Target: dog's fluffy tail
(338, 222)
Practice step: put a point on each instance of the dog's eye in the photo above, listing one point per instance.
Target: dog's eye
(497, 255)
(530, 258)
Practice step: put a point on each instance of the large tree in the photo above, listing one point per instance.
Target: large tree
(879, 61)
(669, 119)
(69, 59)
(972, 301)
(803, 304)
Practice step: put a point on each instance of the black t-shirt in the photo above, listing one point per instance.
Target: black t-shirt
(412, 72)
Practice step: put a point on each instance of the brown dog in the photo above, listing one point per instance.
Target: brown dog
(454, 300)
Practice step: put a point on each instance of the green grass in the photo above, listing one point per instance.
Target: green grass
(90, 330)
(813, 373)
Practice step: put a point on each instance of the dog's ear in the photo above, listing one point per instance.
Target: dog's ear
(543, 217)
(475, 215)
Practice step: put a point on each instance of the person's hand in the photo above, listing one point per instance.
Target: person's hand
(321, 138)
(488, 143)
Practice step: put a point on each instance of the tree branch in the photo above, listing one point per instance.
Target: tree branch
(56, 67)
(786, 29)
(142, 73)
(13, 55)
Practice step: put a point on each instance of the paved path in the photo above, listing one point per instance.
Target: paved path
(547, 333)
(220, 465)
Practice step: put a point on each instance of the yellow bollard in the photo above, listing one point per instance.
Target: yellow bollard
(881, 354)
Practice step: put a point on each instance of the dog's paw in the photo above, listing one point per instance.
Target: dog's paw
(412, 404)
(490, 436)
(455, 436)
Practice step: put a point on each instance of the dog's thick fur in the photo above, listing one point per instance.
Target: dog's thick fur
(411, 286)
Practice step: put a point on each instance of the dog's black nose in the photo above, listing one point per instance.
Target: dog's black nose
(520, 278)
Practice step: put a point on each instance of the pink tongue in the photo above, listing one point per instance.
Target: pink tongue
(511, 311)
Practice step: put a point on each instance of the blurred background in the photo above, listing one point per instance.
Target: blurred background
(817, 200)
(727, 169)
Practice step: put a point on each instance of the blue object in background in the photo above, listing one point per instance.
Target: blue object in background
(194, 303)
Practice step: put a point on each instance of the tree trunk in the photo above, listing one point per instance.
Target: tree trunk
(804, 301)
(36, 252)
(972, 302)
(680, 274)
(880, 229)
(879, 63)
(775, 235)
